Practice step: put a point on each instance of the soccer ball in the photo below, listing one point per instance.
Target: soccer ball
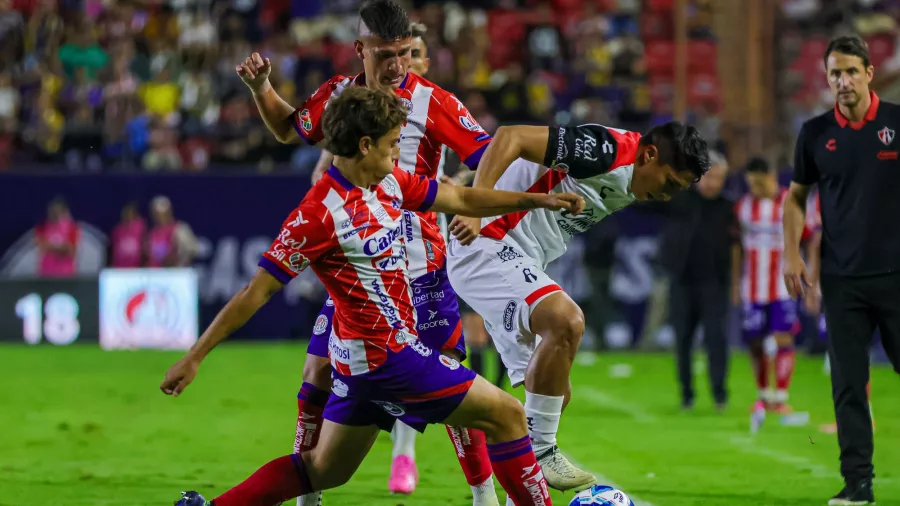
(601, 495)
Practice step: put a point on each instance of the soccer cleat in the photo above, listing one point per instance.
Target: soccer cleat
(781, 408)
(854, 494)
(192, 498)
(562, 474)
(757, 416)
(404, 475)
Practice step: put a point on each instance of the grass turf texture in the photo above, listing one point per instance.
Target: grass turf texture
(79, 426)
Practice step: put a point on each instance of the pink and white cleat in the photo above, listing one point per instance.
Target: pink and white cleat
(404, 475)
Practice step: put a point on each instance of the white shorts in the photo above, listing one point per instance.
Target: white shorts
(502, 285)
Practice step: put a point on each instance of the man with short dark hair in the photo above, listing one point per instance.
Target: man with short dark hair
(498, 265)
(852, 154)
(349, 229)
(388, 47)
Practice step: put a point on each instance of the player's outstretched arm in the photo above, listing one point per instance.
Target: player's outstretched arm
(483, 202)
(275, 112)
(509, 144)
(796, 277)
(233, 316)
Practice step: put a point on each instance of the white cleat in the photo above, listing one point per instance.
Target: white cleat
(562, 474)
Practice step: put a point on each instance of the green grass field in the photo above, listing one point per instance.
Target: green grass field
(79, 426)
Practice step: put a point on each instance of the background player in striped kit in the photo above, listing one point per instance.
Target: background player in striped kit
(436, 118)
(758, 288)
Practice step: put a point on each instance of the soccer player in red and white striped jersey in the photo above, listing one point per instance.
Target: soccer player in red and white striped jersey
(768, 309)
(435, 119)
(350, 230)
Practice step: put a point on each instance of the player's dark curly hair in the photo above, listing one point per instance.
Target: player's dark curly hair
(360, 112)
(851, 45)
(680, 146)
(386, 19)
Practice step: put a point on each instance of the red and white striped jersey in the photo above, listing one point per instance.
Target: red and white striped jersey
(436, 118)
(814, 213)
(593, 161)
(354, 240)
(762, 238)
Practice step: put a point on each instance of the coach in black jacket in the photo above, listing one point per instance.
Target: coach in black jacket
(696, 252)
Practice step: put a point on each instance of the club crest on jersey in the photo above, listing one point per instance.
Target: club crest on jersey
(408, 103)
(886, 136)
(321, 325)
(305, 120)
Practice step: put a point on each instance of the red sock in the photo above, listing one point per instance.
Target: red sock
(519, 473)
(784, 368)
(310, 405)
(281, 479)
(760, 363)
(869, 390)
(471, 450)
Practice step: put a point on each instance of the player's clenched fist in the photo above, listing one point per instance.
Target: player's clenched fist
(571, 202)
(179, 376)
(254, 71)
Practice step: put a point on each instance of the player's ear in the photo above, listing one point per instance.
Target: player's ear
(427, 62)
(358, 46)
(365, 144)
(650, 153)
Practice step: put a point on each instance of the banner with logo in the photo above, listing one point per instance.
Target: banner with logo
(235, 217)
(53, 311)
(148, 308)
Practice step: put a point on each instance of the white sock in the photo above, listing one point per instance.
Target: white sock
(314, 499)
(484, 493)
(404, 438)
(542, 413)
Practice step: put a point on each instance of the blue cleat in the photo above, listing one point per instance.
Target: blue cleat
(192, 499)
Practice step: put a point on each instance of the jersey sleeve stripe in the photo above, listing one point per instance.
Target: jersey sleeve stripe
(430, 196)
(295, 122)
(280, 273)
(498, 228)
(627, 147)
(475, 158)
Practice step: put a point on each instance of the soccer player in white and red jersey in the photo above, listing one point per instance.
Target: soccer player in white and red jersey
(350, 228)
(436, 118)
(758, 286)
(497, 264)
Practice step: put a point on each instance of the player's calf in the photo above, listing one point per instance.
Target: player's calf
(785, 360)
(502, 419)
(311, 400)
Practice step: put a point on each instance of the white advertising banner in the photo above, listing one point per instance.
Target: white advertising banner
(148, 308)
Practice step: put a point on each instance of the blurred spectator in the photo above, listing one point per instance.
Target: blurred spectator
(127, 239)
(161, 97)
(12, 36)
(163, 153)
(57, 241)
(171, 242)
(697, 252)
(82, 51)
(9, 104)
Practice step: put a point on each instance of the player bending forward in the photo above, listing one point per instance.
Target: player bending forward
(350, 228)
(535, 326)
(389, 49)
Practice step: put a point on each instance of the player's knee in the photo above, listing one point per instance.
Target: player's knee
(568, 330)
(509, 419)
(317, 371)
(325, 473)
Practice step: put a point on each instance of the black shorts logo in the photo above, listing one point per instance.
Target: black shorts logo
(508, 253)
(508, 315)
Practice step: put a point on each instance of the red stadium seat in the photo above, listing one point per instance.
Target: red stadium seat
(703, 88)
(657, 26)
(702, 56)
(660, 57)
(881, 47)
(659, 5)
